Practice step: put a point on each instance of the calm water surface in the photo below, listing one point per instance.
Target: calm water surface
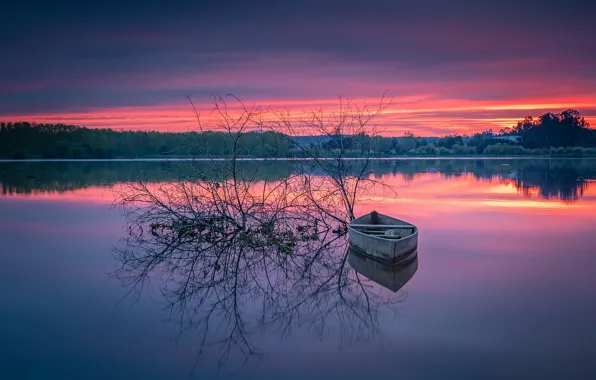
(505, 285)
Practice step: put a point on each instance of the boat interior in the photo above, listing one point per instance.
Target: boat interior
(382, 226)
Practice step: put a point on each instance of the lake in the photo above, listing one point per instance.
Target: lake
(504, 285)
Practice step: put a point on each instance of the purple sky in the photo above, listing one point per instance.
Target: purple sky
(451, 66)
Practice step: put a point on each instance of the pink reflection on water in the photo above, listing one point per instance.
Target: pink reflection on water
(485, 216)
(423, 195)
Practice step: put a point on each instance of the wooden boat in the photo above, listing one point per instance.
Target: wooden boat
(383, 238)
(391, 277)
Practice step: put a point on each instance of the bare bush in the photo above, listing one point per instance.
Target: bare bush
(223, 240)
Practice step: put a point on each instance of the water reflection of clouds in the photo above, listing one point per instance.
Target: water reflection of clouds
(495, 284)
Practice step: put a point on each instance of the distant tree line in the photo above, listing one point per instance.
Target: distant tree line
(24, 140)
(561, 134)
(564, 129)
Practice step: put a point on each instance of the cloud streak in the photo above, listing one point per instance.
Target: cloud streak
(459, 67)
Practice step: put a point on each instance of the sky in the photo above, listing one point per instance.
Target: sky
(449, 66)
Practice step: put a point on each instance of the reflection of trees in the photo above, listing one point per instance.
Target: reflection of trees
(564, 179)
(49, 177)
(557, 184)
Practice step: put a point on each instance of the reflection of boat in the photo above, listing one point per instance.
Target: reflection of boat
(390, 277)
(383, 238)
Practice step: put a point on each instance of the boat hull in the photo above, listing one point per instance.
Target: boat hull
(389, 251)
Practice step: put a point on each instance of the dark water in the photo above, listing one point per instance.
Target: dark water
(505, 285)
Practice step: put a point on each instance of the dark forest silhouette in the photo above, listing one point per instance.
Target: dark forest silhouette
(23, 139)
(566, 133)
(564, 129)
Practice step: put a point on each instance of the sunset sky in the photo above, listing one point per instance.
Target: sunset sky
(451, 66)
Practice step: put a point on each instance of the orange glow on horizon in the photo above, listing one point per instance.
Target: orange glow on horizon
(425, 115)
